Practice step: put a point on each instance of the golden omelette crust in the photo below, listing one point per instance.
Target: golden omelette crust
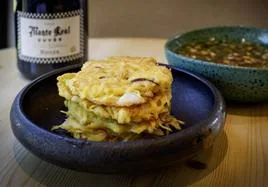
(105, 82)
(118, 99)
(147, 111)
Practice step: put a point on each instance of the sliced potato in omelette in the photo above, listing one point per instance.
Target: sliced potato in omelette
(125, 82)
(82, 122)
(151, 109)
(89, 119)
(118, 99)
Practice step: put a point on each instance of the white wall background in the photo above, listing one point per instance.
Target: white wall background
(162, 18)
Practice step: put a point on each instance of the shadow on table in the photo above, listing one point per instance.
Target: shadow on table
(182, 175)
(247, 109)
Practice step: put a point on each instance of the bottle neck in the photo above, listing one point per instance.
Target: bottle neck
(48, 6)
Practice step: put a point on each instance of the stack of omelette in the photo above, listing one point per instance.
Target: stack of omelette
(118, 99)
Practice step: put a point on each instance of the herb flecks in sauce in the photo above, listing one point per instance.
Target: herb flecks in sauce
(241, 53)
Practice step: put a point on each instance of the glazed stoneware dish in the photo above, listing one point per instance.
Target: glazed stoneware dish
(195, 101)
(243, 84)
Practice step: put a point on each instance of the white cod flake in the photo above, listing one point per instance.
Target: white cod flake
(75, 98)
(69, 83)
(129, 99)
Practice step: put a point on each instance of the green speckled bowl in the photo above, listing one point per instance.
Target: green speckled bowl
(243, 84)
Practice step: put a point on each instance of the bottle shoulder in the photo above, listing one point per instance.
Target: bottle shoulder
(50, 6)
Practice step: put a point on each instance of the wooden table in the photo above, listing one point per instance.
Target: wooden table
(238, 158)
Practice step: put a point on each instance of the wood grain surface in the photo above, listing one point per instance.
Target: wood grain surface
(239, 156)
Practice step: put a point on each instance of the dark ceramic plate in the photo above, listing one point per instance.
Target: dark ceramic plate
(37, 108)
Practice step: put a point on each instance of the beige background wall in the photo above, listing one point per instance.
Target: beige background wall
(162, 18)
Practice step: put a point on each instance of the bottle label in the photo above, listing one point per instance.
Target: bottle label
(50, 38)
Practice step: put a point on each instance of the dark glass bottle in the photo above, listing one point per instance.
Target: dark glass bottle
(50, 34)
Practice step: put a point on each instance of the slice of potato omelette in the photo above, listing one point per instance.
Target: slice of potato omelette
(118, 99)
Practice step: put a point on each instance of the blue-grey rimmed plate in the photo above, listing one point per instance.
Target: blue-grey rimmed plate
(195, 101)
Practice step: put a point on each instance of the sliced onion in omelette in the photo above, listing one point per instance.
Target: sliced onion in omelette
(118, 99)
(107, 82)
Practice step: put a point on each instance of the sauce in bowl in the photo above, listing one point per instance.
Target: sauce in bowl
(221, 51)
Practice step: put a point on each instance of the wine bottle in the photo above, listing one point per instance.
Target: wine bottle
(50, 34)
